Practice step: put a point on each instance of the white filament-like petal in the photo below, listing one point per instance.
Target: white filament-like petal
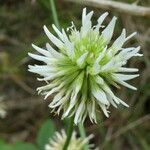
(131, 35)
(42, 69)
(42, 51)
(53, 39)
(56, 89)
(83, 15)
(78, 113)
(58, 32)
(96, 66)
(81, 61)
(68, 45)
(119, 41)
(100, 20)
(107, 33)
(53, 52)
(100, 96)
(126, 84)
(76, 88)
(125, 77)
(52, 76)
(38, 57)
(104, 109)
(86, 23)
(132, 53)
(124, 69)
(101, 55)
(57, 97)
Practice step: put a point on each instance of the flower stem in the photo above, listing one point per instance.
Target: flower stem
(82, 134)
(69, 133)
(54, 13)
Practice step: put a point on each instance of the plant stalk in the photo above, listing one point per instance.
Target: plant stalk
(69, 133)
(54, 13)
(83, 134)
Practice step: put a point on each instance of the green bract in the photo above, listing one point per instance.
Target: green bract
(84, 67)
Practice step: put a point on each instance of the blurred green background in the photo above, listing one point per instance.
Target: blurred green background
(28, 123)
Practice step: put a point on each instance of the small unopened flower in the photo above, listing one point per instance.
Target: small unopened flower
(84, 67)
(58, 141)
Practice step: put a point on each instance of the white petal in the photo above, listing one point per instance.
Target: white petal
(53, 52)
(83, 15)
(58, 32)
(58, 97)
(132, 53)
(47, 87)
(119, 41)
(49, 77)
(101, 55)
(56, 102)
(53, 39)
(71, 105)
(96, 66)
(87, 19)
(111, 101)
(104, 109)
(99, 80)
(69, 47)
(76, 88)
(38, 57)
(125, 50)
(110, 65)
(130, 36)
(42, 69)
(100, 20)
(126, 85)
(86, 24)
(124, 77)
(81, 62)
(56, 89)
(93, 114)
(123, 103)
(78, 112)
(139, 55)
(109, 92)
(123, 69)
(107, 33)
(53, 75)
(100, 96)
(42, 51)
(89, 16)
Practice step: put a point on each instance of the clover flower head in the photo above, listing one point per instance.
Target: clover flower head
(58, 141)
(84, 67)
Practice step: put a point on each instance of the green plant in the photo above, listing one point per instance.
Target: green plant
(45, 132)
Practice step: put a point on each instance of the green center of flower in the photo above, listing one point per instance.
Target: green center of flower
(92, 43)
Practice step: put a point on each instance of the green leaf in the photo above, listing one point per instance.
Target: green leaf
(24, 146)
(47, 130)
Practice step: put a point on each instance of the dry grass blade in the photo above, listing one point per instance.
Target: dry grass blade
(117, 6)
(129, 127)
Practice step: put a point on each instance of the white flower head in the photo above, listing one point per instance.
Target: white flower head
(59, 139)
(84, 67)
